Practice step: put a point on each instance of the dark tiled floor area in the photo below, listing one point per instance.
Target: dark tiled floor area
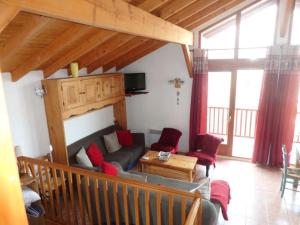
(256, 196)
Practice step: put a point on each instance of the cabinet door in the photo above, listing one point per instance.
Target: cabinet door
(71, 94)
(90, 91)
(117, 86)
(106, 83)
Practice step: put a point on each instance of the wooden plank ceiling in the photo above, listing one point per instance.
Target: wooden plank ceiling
(30, 42)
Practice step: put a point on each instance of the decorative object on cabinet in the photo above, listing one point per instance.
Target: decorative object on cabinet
(74, 69)
(69, 97)
(177, 84)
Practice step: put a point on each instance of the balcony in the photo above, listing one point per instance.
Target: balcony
(243, 129)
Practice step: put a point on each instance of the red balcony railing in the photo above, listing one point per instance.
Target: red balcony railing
(244, 126)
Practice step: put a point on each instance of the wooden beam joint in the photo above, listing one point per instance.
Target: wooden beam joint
(187, 58)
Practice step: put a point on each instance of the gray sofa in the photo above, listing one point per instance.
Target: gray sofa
(127, 157)
(209, 214)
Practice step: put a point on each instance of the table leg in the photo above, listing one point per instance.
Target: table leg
(142, 167)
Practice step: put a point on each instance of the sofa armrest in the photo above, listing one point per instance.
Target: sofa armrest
(94, 169)
(139, 139)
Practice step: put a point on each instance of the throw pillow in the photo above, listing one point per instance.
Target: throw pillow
(109, 169)
(111, 142)
(83, 159)
(125, 138)
(29, 196)
(95, 155)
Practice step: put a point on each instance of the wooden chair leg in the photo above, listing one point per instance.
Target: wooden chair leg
(207, 170)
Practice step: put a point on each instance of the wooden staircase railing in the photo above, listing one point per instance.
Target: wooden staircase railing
(71, 196)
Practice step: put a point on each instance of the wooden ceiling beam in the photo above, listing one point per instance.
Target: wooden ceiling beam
(210, 12)
(287, 17)
(97, 37)
(190, 10)
(138, 53)
(108, 61)
(114, 15)
(25, 33)
(188, 59)
(110, 45)
(206, 6)
(7, 14)
(151, 5)
(118, 39)
(173, 7)
(71, 35)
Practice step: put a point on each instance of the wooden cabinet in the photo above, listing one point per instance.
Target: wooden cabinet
(75, 96)
(106, 91)
(70, 92)
(90, 91)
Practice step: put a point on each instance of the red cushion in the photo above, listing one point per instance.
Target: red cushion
(95, 155)
(125, 138)
(109, 169)
(203, 159)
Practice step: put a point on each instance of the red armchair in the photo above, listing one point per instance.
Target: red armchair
(206, 147)
(168, 141)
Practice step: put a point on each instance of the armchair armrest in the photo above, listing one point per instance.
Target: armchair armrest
(139, 139)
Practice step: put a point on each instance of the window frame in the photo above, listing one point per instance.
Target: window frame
(237, 15)
(291, 23)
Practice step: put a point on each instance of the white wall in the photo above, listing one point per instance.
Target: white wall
(28, 119)
(27, 114)
(158, 108)
(80, 126)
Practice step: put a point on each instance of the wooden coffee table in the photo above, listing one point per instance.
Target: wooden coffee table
(178, 166)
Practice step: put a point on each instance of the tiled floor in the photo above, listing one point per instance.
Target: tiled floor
(256, 196)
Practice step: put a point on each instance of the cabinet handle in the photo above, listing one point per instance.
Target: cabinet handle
(112, 86)
(81, 93)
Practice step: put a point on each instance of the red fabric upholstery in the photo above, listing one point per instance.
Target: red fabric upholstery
(168, 141)
(220, 193)
(125, 138)
(203, 158)
(165, 148)
(95, 155)
(109, 169)
(208, 144)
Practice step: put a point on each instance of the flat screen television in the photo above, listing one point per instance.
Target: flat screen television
(134, 82)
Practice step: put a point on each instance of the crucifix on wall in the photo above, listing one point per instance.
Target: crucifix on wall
(177, 84)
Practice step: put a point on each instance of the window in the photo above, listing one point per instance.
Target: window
(220, 39)
(295, 38)
(257, 29)
(256, 32)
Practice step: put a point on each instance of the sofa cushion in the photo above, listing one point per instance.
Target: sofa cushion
(109, 169)
(135, 152)
(125, 137)
(95, 155)
(86, 141)
(111, 142)
(83, 159)
(122, 157)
